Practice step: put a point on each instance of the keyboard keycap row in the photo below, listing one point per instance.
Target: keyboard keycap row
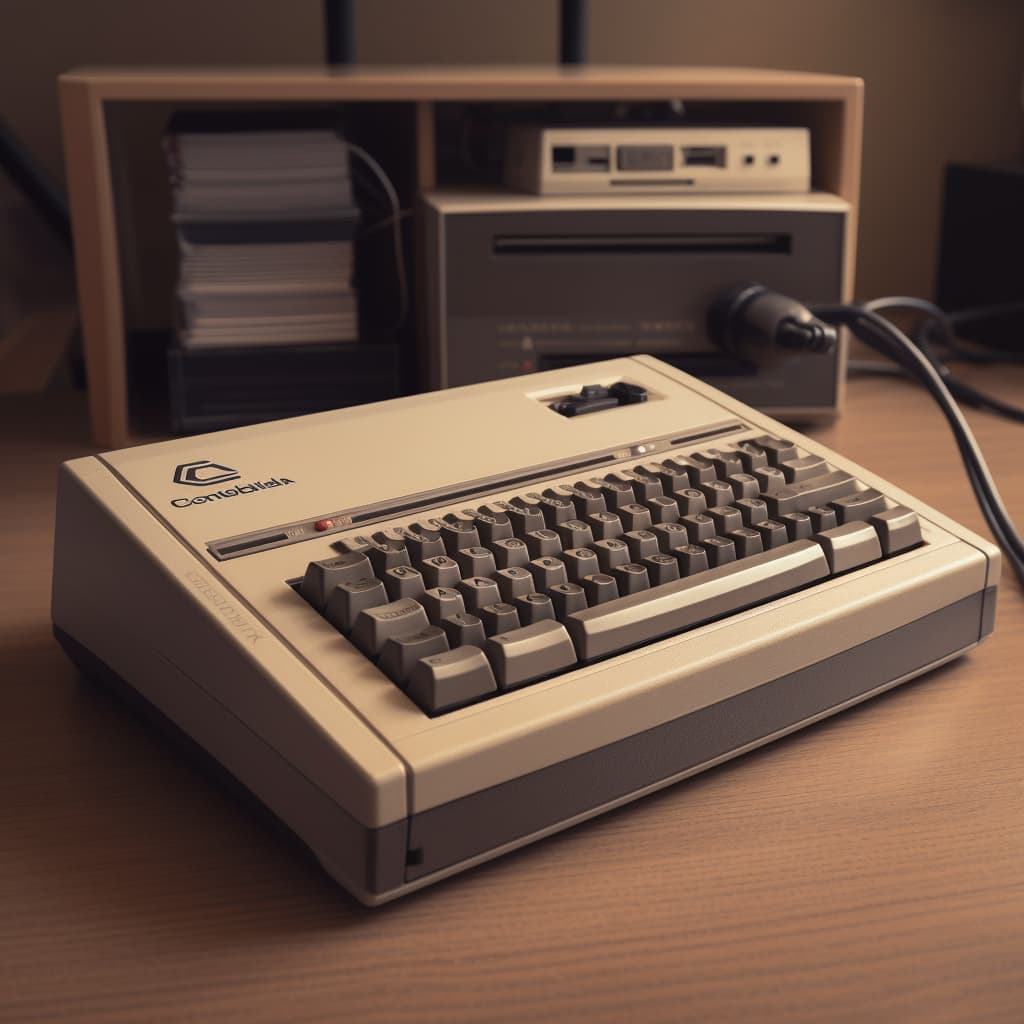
(458, 608)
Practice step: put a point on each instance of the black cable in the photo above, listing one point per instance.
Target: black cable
(886, 338)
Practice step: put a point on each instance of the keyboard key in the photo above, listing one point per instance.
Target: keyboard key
(672, 480)
(475, 561)
(440, 571)
(579, 562)
(534, 607)
(725, 463)
(661, 569)
(822, 518)
(692, 559)
(696, 472)
(716, 492)
(859, 507)
(645, 485)
(547, 572)
(753, 510)
(605, 525)
(599, 587)
(776, 450)
(543, 542)
(403, 581)
(350, 598)
(477, 591)
(385, 556)
(770, 478)
(744, 485)
(809, 493)
(897, 528)
(611, 553)
(513, 582)
(630, 578)
(653, 614)
(850, 546)
(567, 598)
(374, 626)
(698, 527)
(726, 518)
(641, 543)
(510, 552)
(399, 655)
(525, 655)
(799, 469)
(444, 682)
(440, 602)
(322, 577)
(634, 517)
(616, 493)
(586, 500)
(498, 618)
(424, 544)
(464, 629)
(751, 456)
(492, 528)
(554, 510)
(773, 534)
(798, 525)
(747, 541)
(670, 536)
(663, 509)
(574, 533)
(458, 533)
(720, 550)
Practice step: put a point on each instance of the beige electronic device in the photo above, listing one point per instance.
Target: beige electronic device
(563, 161)
(428, 631)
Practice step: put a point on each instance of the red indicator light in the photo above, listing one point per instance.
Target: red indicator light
(323, 524)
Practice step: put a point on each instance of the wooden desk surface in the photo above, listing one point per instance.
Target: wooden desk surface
(871, 867)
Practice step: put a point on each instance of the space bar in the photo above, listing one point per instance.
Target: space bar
(652, 614)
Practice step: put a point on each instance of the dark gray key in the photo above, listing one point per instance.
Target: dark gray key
(555, 510)
(773, 534)
(801, 468)
(475, 561)
(822, 518)
(670, 536)
(586, 500)
(610, 553)
(440, 571)
(661, 569)
(440, 602)
(579, 562)
(534, 607)
(574, 533)
(599, 587)
(751, 456)
(444, 682)
(726, 518)
(424, 544)
(404, 581)
(716, 492)
(645, 485)
(897, 528)
(322, 577)
(374, 625)
(498, 618)
(753, 510)
(720, 550)
(458, 533)
(691, 502)
(850, 546)
(672, 480)
(859, 507)
(464, 629)
(776, 450)
(477, 591)
(492, 527)
(566, 598)
(653, 614)
(725, 463)
(604, 525)
(393, 536)
(634, 517)
(547, 571)
(350, 598)
(513, 582)
(747, 542)
(543, 542)
(641, 543)
(384, 556)
(525, 655)
(743, 485)
(692, 559)
(399, 655)
(663, 509)
(696, 472)
(524, 517)
(616, 493)
(698, 527)
(352, 545)
(808, 493)
(798, 525)
(510, 552)
(630, 578)
(770, 478)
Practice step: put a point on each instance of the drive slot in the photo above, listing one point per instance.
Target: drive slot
(578, 245)
(704, 156)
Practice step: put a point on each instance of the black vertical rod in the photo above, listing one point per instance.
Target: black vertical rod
(338, 35)
(574, 32)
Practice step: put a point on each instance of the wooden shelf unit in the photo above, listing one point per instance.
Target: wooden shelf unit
(830, 105)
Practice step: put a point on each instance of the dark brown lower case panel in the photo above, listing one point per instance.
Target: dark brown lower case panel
(465, 828)
(480, 822)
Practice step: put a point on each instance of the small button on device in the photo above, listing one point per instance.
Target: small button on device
(323, 524)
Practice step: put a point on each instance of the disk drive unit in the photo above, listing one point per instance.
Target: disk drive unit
(568, 161)
(517, 283)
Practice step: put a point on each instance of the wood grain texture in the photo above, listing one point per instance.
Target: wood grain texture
(868, 868)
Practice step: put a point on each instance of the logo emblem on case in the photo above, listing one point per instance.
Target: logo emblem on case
(204, 473)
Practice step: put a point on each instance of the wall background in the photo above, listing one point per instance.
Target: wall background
(943, 77)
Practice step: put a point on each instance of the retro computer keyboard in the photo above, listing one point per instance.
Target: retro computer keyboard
(428, 631)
